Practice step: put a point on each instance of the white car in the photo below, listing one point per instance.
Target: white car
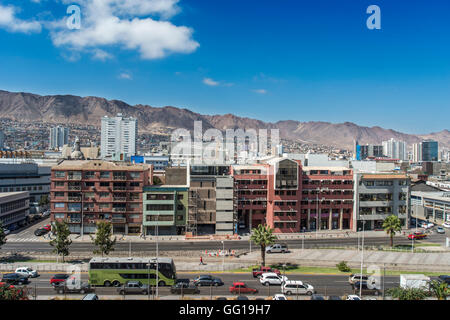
(46, 213)
(446, 224)
(27, 272)
(279, 297)
(6, 231)
(297, 287)
(271, 278)
(353, 297)
(427, 225)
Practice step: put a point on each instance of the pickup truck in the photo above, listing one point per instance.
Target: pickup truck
(257, 272)
(133, 287)
(64, 287)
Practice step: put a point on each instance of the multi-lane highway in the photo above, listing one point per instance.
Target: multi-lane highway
(324, 284)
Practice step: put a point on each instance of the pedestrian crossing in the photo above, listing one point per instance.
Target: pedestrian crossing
(27, 239)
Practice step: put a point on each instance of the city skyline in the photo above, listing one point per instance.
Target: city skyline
(234, 58)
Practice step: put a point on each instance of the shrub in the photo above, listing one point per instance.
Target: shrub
(343, 267)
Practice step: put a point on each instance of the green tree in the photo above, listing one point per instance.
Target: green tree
(343, 267)
(440, 289)
(407, 294)
(62, 241)
(103, 238)
(2, 235)
(391, 225)
(263, 236)
(43, 200)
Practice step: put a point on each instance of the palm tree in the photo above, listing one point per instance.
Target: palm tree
(263, 236)
(440, 289)
(391, 225)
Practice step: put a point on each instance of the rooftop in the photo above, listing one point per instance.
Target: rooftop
(99, 164)
(384, 176)
(441, 195)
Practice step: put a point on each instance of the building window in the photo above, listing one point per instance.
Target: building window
(60, 174)
(59, 205)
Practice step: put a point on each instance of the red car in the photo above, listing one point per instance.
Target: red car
(417, 236)
(4, 284)
(257, 272)
(240, 287)
(57, 279)
(47, 227)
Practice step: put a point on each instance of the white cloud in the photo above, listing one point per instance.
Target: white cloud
(102, 55)
(10, 22)
(211, 82)
(118, 23)
(125, 76)
(260, 91)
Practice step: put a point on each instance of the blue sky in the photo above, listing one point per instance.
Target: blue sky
(270, 60)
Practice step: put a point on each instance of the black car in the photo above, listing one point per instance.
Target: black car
(183, 281)
(317, 297)
(242, 298)
(14, 279)
(207, 280)
(364, 289)
(444, 278)
(221, 298)
(39, 232)
(334, 298)
(184, 288)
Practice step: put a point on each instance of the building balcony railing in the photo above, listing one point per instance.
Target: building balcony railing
(78, 188)
(77, 177)
(74, 220)
(77, 199)
(119, 209)
(120, 199)
(118, 220)
(119, 177)
(119, 188)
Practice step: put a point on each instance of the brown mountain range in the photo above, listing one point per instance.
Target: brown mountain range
(28, 107)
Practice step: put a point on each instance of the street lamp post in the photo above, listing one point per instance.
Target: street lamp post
(223, 255)
(157, 262)
(148, 278)
(362, 259)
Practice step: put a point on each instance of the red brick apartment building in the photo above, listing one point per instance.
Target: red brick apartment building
(291, 198)
(86, 191)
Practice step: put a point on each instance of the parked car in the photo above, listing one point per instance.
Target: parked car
(277, 248)
(440, 230)
(446, 224)
(291, 287)
(317, 297)
(207, 280)
(257, 272)
(58, 278)
(357, 277)
(444, 278)
(47, 227)
(184, 288)
(183, 281)
(221, 298)
(242, 298)
(241, 287)
(133, 287)
(27, 271)
(334, 298)
(6, 231)
(15, 279)
(90, 296)
(279, 297)
(39, 232)
(365, 290)
(353, 297)
(417, 236)
(46, 213)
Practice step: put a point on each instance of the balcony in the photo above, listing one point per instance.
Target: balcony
(76, 199)
(121, 177)
(119, 188)
(120, 199)
(118, 220)
(119, 209)
(77, 188)
(74, 177)
(74, 220)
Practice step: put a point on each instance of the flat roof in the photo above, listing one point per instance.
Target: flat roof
(99, 165)
(435, 195)
(326, 168)
(125, 260)
(7, 194)
(384, 176)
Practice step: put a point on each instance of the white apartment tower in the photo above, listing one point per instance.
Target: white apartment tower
(59, 136)
(119, 136)
(417, 152)
(395, 149)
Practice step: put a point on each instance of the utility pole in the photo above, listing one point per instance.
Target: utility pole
(384, 275)
(157, 262)
(223, 255)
